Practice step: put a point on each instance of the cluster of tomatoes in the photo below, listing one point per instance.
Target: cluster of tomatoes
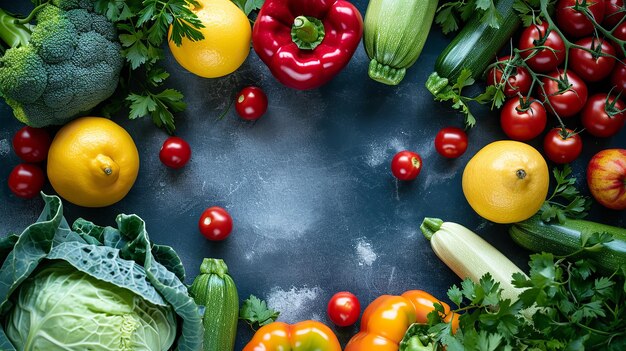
(31, 145)
(561, 90)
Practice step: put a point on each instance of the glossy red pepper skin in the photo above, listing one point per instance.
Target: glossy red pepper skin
(301, 68)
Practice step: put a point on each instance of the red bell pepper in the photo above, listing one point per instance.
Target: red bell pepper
(305, 43)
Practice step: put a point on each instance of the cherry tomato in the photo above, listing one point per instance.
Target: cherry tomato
(618, 77)
(574, 22)
(451, 142)
(26, 180)
(541, 60)
(591, 66)
(613, 13)
(518, 82)
(344, 309)
(251, 103)
(31, 144)
(406, 165)
(521, 120)
(175, 152)
(619, 33)
(215, 223)
(562, 146)
(567, 93)
(603, 116)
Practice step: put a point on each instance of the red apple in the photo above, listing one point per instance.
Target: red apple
(606, 177)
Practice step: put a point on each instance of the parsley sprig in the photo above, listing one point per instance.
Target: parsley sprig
(565, 201)
(451, 13)
(255, 312)
(142, 29)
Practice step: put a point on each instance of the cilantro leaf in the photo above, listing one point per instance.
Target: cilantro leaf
(249, 6)
(256, 313)
(566, 201)
(451, 13)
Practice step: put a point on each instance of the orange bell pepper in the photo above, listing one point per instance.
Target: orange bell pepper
(386, 320)
(302, 336)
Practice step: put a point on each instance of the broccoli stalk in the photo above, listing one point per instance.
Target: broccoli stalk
(64, 65)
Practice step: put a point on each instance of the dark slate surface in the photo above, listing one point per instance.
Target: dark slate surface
(315, 207)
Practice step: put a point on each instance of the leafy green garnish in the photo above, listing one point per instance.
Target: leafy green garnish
(451, 13)
(256, 313)
(248, 6)
(574, 204)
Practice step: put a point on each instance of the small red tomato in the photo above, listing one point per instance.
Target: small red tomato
(618, 77)
(32, 144)
(567, 93)
(575, 23)
(519, 78)
(521, 120)
(546, 59)
(592, 67)
(175, 152)
(344, 309)
(251, 103)
(451, 142)
(613, 13)
(26, 180)
(603, 116)
(406, 165)
(215, 223)
(562, 145)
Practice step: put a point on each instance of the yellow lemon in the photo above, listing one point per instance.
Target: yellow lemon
(92, 162)
(226, 42)
(506, 181)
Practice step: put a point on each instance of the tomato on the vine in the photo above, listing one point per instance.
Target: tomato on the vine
(618, 77)
(613, 13)
(592, 66)
(451, 142)
(566, 93)
(31, 144)
(603, 115)
(573, 22)
(406, 165)
(26, 180)
(562, 145)
(251, 103)
(215, 223)
(550, 56)
(519, 80)
(522, 119)
(619, 33)
(344, 309)
(175, 152)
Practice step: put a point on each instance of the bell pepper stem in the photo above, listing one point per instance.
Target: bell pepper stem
(385, 74)
(430, 226)
(307, 32)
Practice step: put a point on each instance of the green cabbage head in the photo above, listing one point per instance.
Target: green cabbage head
(60, 306)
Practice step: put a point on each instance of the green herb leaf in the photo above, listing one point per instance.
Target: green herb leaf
(566, 201)
(450, 13)
(256, 313)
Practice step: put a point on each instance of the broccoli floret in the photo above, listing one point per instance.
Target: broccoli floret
(64, 65)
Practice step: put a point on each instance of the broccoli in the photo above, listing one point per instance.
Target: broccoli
(64, 65)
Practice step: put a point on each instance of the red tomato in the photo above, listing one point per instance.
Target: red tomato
(344, 309)
(619, 33)
(518, 82)
(26, 180)
(406, 165)
(175, 152)
(566, 93)
(251, 103)
(562, 146)
(573, 22)
(591, 66)
(451, 142)
(612, 13)
(32, 144)
(618, 77)
(215, 223)
(603, 116)
(542, 60)
(523, 121)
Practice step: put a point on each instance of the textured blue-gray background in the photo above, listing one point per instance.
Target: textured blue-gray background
(315, 207)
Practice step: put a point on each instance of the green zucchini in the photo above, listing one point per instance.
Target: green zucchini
(214, 289)
(564, 239)
(395, 32)
(477, 44)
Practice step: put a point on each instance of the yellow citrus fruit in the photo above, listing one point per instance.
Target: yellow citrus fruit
(226, 42)
(506, 181)
(92, 162)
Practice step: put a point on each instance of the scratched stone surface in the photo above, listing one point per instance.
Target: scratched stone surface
(315, 207)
